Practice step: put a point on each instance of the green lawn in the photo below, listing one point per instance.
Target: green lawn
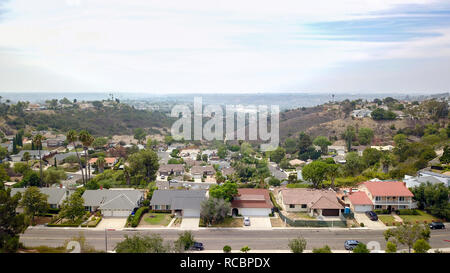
(304, 215)
(386, 219)
(228, 222)
(423, 216)
(157, 219)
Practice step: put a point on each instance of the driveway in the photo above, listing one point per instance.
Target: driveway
(361, 217)
(190, 223)
(111, 222)
(262, 222)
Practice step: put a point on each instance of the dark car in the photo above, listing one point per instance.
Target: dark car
(197, 246)
(350, 244)
(372, 215)
(437, 225)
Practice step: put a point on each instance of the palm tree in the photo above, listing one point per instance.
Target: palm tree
(101, 164)
(332, 173)
(27, 157)
(37, 140)
(72, 136)
(87, 140)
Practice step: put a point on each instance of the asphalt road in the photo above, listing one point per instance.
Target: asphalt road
(215, 239)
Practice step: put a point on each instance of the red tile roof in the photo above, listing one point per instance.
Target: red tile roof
(252, 198)
(388, 188)
(360, 198)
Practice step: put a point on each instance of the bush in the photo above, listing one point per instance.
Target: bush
(227, 249)
(325, 249)
(407, 212)
(272, 198)
(138, 215)
(361, 224)
(297, 245)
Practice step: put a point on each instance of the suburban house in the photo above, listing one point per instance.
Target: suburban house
(415, 181)
(109, 161)
(34, 155)
(340, 150)
(252, 202)
(113, 203)
(383, 148)
(189, 153)
(56, 142)
(296, 162)
(312, 201)
(55, 196)
(228, 172)
(171, 169)
(390, 195)
(60, 157)
(186, 203)
(358, 201)
(199, 171)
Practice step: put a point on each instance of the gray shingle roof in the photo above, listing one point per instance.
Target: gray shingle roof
(55, 195)
(119, 202)
(179, 199)
(97, 198)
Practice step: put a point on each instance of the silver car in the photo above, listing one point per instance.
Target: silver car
(246, 221)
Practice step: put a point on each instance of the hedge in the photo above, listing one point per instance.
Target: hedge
(138, 215)
(95, 223)
(407, 212)
(274, 201)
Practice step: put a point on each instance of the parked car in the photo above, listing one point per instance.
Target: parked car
(163, 177)
(350, 244)
(437, 225)
(197, 246)
(246, 221)
(372, 215)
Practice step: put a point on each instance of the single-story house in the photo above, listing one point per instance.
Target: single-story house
(359, 201)
(55, 196)
(439, 176)
(312, 201)
(186, 203)
(199, 171)
(171, 169)
(109, 161)
(34, 155)
(113, 203)
(252, 202)
(227, 172)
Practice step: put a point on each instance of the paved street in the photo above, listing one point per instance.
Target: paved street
(215, 239)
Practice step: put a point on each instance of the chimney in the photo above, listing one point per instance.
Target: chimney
(351, 190)
(60, 186)
(101, 187)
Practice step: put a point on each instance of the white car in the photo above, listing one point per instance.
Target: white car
(246, 221)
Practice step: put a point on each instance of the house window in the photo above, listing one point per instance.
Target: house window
(291, 206)
(377, 198)
(303, 206)
(401, 198)
(157, 207)
(377, 207)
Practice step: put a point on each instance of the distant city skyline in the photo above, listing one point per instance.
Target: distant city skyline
(204, 46)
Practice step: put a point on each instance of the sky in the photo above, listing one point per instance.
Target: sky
(208, 46)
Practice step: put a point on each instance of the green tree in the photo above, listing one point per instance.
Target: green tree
(54, 176)
(37, 140)
(214, 210)
(365, 136)
(349, 135)
(34, 202)
(354, 164)
(391, 247)
(72, 137)
(101, 164)
(434, 198)
(421, 246)
(315, 173)
(139, 135)
(153, 243)
(144, 163)
(290, 145)
(185, 241)
(99, 142)
(11, 224)
(323, 143)
(445, 158)
(297, 245)
(277, 155)
(72, 207)
(304, 142)
(222, 152)
(371, 156)
(86, 139)
(408, 234)
(224, 191)
(361, 248)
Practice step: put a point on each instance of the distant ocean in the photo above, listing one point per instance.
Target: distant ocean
(284, 100)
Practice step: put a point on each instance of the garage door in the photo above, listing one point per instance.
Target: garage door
(362, 208)
(191, 213)
(116, 213)
(330, 212)
(254, 211)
